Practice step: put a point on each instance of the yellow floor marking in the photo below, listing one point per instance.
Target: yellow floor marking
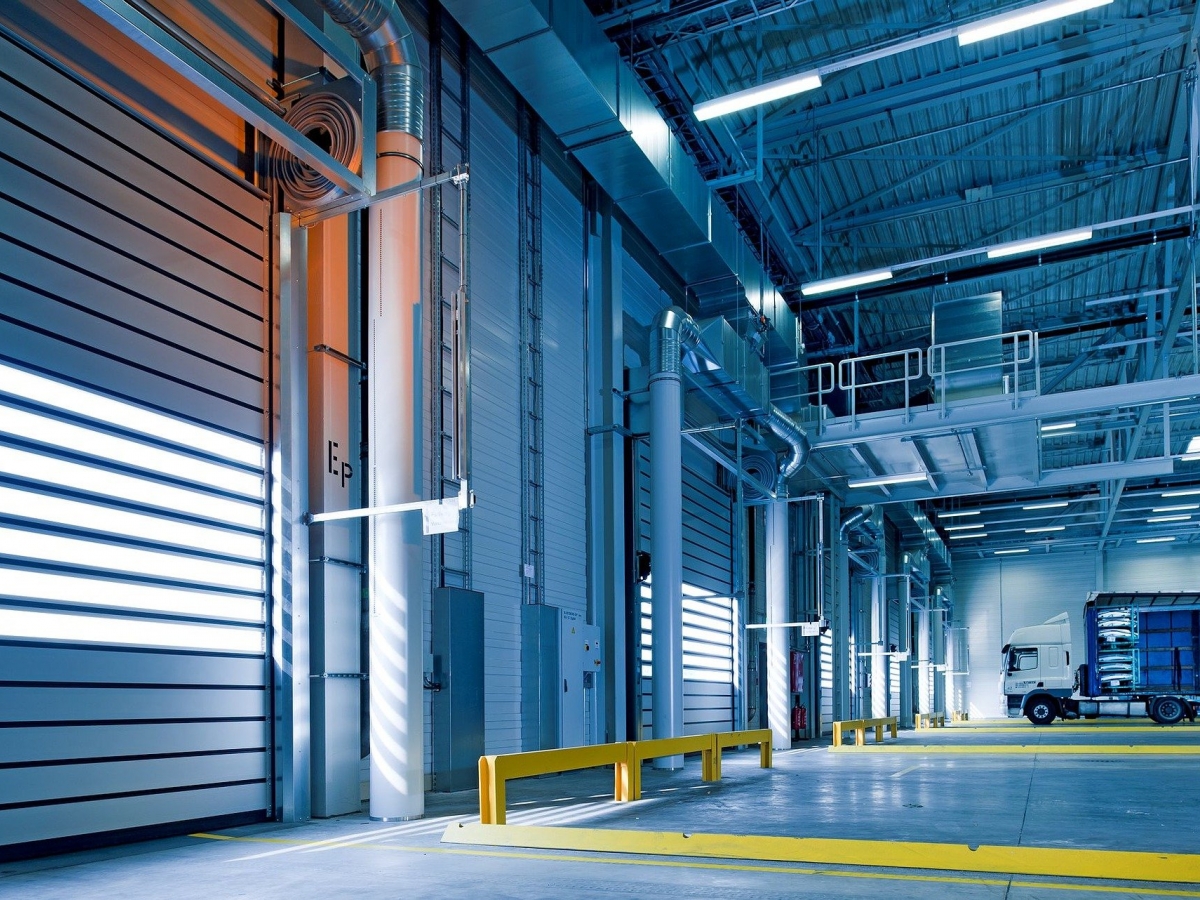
(1123, 865)
(1074, 728)
(728, 867)
(1115, 725)
(1065, 749)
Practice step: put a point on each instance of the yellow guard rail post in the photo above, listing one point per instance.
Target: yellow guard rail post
(494, 771)
(704, 744)
(860, 726)
(926, 721)
(723, 740)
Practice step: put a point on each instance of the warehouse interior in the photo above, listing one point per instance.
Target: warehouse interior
(385, 384)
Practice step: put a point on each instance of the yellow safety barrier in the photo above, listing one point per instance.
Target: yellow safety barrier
(925, 721)
(860, 726)
(723, 740)
(494, 771)
(625, 757)
(640, 751)
(958, 716)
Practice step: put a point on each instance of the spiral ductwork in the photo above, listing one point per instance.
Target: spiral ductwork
(331, 121)
(390, 53)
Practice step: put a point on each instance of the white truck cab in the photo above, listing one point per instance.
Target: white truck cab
(1037, 662)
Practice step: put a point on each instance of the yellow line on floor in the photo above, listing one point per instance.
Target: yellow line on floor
(726, 867)
(1123, 865)
(1075, 729)
(1063, 749)
(1114, 724)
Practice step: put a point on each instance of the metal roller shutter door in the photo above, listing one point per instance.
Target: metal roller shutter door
(711, 617)
(133, 375)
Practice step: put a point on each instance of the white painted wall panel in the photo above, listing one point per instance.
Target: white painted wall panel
(563, 330)
(495, 423)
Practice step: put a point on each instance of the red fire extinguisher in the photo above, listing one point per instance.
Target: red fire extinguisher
(799, 720)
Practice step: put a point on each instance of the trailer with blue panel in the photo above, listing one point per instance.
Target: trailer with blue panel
(1141, 657)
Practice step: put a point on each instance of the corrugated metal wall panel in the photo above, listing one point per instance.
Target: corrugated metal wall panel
(563, 394)
(707, 520)
(495, 460)
(133, 384)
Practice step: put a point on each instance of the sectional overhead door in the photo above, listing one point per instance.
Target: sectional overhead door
(133, 395)
(710, 616)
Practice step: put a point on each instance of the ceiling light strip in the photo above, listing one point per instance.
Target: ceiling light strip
(969, 33)
(1037, 14)
(884, 480)
(1045, 242)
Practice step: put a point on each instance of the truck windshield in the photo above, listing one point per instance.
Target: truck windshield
(1021, 659)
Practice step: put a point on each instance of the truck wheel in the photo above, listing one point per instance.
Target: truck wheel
(1040, 710)
(1167, 711)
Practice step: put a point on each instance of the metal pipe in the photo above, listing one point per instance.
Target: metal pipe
(675, 341)
(666, 538)
(395, 408)
(778, 554)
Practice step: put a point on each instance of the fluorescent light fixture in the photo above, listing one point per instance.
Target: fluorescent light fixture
(1041, 243)
(1008, 552)
(841, 283)
(967, 512)
(1045, 528)
(1190, 457)
(759, 94)
(1187, 493)
(1024, 18)
(962, 527)
(1157, 519)
(1182, 507)
(1193, 445)
(1059, 504)
(1157, 540)
(1058, 426)
(972, 534)
(907, 478)
(58, 626)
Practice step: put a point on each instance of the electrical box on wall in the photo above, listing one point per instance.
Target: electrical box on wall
(456, 682)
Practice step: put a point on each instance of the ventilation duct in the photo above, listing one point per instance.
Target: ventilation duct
(395, 431)
(676, 342)
(559, 59)
(854, 519)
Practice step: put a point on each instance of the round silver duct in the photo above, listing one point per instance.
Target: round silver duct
(331, 122)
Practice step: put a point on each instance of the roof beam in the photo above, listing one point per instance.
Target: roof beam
(1004, 74)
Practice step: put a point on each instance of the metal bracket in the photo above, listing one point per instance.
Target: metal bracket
(309, 217)
(433, 512)
(339, 355)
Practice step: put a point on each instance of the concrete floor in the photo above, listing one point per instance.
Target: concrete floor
(962, 785)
